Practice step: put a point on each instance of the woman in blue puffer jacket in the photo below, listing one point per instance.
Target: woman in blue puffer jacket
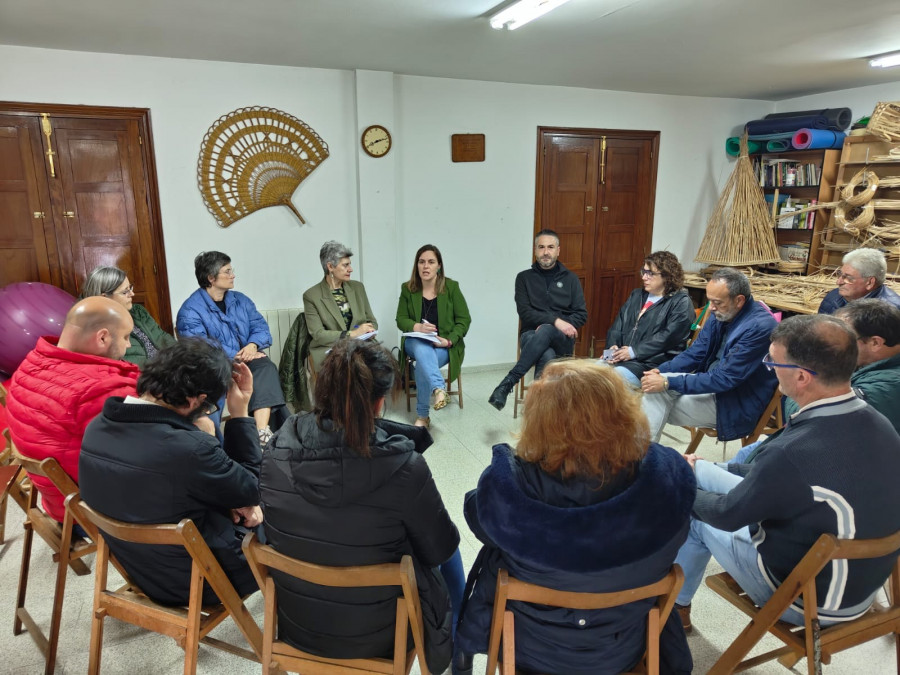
(217, 312)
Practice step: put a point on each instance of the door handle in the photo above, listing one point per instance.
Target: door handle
(604, 208)
(68, 214)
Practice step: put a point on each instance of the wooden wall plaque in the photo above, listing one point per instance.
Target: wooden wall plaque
(467, 147)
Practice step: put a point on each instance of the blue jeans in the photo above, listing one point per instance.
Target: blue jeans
(629, 377)
(429, 359)
(455, 577)
(734, 551)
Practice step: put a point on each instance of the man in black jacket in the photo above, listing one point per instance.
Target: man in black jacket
(550, 303)
(146, 460)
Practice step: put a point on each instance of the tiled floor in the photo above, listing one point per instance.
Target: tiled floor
(463, 440)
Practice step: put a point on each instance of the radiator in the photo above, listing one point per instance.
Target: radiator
(280, 322)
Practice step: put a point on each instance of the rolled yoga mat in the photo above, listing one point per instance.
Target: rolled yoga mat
(773, 137)
(778, 146)
(838, 118)
(785, 124)
(733, 146)
(815, 139)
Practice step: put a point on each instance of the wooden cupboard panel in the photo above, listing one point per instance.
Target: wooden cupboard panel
(99, 206)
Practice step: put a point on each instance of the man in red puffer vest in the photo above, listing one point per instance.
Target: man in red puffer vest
(62, 385)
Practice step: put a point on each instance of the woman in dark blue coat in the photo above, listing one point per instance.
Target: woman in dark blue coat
(588, 505)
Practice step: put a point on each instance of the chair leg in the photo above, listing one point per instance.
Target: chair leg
(409, 374)
(458, 389)
(23, 576)
(192, 630)
(3, 518)
(696, 437)
(62, 569)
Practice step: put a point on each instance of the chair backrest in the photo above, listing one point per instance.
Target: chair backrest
(816, 644)
(185, 533)
(263, 558)
(509, 588)
(47, 468)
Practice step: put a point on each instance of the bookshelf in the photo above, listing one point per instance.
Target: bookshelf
(860, 152)
(799, 177)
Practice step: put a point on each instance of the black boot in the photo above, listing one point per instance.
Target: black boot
(462, 664)
(499, 395)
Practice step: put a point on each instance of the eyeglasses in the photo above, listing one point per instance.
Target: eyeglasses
(208, 408)
(850, 279)
(227, 273)
(771, 365)
(127, 291)
(650, 273)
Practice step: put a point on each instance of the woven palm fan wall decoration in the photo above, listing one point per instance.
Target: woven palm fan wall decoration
(255, 157)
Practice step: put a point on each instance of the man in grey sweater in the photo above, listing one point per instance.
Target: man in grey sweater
(830, 470)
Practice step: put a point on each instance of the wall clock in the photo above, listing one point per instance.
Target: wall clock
(376, 141)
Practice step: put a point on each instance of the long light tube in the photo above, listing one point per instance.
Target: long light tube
(522, 12)
(886, 60)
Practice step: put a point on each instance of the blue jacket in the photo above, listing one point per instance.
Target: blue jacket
(578, 534)
(240, 325)
(742, 384)
(834, 300)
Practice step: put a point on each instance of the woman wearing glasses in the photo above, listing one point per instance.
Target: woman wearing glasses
(147, 338)
(654, 323)
(217, 312)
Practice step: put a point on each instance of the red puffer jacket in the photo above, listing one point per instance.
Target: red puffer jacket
(52, 397)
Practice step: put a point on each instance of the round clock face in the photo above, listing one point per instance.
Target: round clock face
(376, 141)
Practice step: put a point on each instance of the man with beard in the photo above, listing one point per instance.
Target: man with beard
(144, 460)
(551, 308)
(719, 381)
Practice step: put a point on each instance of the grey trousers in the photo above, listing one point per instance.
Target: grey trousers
(670, 407)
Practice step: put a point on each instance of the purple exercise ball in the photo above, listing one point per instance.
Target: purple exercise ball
(28, 311)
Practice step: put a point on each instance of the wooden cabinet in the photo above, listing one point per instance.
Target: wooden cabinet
(866, 152)
(803, 186)
(82, 196)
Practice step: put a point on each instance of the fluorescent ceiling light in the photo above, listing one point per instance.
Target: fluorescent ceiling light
(886, 60)
(523, 11)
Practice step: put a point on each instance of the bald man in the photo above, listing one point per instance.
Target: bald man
(62, 385)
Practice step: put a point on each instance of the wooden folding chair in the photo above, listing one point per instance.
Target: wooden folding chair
(771, 420)
(67, 552)
(8, 475)
(188, 626)
(411, 393)
(276, 653)
(503, 622)
(811, 641)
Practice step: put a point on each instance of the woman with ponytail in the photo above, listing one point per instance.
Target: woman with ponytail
(342, 487)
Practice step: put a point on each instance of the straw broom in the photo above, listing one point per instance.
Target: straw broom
(739, 231)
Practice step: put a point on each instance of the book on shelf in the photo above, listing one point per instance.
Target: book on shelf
(801, 221)
(797, 251)
(781, 173)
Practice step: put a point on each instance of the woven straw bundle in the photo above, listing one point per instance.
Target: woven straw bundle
(255, 157)
(885, 122)
(739, 231)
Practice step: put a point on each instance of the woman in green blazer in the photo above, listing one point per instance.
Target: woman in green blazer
(431, 303)
(336, 307)
(147, 338)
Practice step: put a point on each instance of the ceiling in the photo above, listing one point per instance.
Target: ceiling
(762, 49)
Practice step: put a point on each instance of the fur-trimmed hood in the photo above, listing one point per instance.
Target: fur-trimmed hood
(632, 525)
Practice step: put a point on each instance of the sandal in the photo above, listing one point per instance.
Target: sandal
(422, 422)
(439, 399)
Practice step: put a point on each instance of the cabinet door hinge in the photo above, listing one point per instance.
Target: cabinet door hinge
(154, 269)
(140, 140)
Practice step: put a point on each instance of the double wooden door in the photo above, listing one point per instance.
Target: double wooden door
(596, 189)
(78, 190)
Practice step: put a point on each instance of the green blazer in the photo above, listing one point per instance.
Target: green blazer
(324, 319)
(136, 353)
(453, 320)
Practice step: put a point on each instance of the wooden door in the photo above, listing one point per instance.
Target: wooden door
(26, 250)
(606, 245)
(102, 216)
(571, 175)
(99, 202)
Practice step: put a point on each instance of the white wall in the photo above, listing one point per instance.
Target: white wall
(860, 100)
(479, 214)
